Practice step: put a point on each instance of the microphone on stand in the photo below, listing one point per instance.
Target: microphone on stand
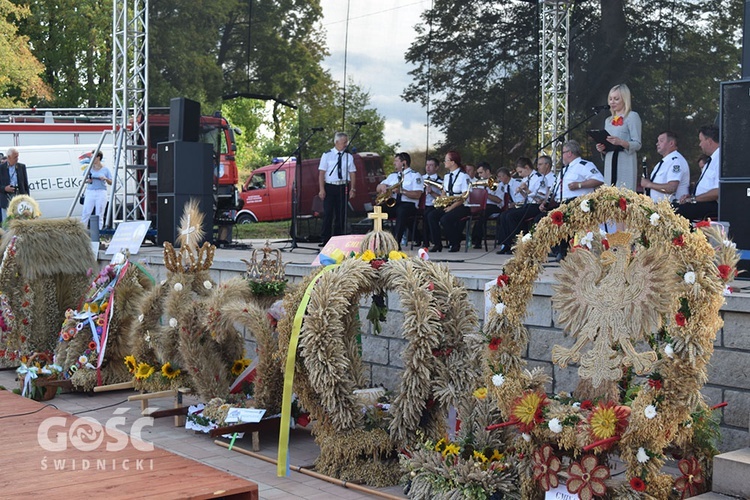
(603, 107)
(359, 124)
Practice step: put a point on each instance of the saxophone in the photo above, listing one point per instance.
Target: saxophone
(384, 199)
(446, 201)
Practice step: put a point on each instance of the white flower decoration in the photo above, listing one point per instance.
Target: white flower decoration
(642, 456)
(587, 240)
(654, 219)
(526, 437)
(526, 238)
(208, 285)
(162, 282)
(178, 287)
(173, 322)
(498, 379)
(500, 308)
(689, 277)
(576, 405)
(602, 232)
(730, 244)
(585, 207)
(83, 359)
(650, 411)
(140, 318)
(147, 337)
(555, 425)
(669, 350)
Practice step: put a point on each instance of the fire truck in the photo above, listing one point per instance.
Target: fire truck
(24, 128)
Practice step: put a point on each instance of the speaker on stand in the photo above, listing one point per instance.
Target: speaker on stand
(734, 181)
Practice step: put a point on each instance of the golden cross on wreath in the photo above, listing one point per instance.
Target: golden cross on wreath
(378, 217)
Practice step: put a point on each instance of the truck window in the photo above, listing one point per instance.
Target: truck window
(257, 181)
(213, 134)
(278, 179)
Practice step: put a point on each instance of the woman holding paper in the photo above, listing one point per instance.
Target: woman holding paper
(624, 129)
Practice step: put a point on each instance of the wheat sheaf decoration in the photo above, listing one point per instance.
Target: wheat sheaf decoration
(643, 301)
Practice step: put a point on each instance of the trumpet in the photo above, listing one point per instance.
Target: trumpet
(434, 184)
(384, 199)
(446, 201)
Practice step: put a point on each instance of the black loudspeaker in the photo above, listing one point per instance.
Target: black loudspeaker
(185, 168)
(184, 120)
(169, 212)
(735, 129)
(734, 205)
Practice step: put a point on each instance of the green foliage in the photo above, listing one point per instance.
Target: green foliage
(267, 289)
(20, 70)
(481, 62)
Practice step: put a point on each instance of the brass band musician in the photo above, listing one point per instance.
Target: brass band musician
(447, 221)
(405, 186)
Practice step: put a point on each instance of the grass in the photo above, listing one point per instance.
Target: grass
(263, 230)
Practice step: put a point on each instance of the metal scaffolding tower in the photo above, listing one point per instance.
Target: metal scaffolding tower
(129, 197)
(555, 40)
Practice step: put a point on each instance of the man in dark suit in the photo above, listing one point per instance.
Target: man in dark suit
(13, 179)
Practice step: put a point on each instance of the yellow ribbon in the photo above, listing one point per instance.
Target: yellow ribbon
(282, 465)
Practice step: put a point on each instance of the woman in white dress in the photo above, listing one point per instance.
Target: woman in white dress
(624, 129)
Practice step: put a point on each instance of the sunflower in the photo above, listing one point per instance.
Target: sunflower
(608, 420)
(239, 366)
(527, 410)
(497, 456)
(143, 371)
(479, 456)
(440, 445)
(169, 371)
(451, 449)
(130, 363)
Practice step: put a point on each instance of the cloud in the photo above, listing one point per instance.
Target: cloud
(379, 35)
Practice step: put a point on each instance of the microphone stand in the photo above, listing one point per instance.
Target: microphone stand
(295, 187)
(346, 194)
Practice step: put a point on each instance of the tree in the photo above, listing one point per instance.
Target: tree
(20, 83)
(480, 59)
(72, 39)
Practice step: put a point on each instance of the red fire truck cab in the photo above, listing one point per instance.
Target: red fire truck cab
(268, 193)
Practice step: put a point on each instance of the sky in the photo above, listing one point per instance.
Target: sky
(380, 32)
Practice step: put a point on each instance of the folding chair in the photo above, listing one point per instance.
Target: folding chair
(477, 202)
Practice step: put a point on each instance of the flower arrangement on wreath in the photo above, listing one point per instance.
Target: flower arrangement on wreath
(474, 463)
(658, 283)
(33, 372)
(440, 363)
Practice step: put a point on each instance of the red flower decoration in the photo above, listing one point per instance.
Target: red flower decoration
(25, 321)
(377, 263)
(430, 286)
(703, 223)
(692, 477)
(622, 203)
(546, 467)
(502, 280)
(637, 484)
(678, 241)
(557, 218)
(587, 478)
(495, 343)
(656, 384)
(680, 319)
(586, 404)
(617, 121)
(25, 303)
(724, 271)
(92, 345)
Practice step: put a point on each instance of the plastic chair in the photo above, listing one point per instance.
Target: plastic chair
(477, 202)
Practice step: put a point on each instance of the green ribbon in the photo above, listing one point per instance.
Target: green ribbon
(282, 467)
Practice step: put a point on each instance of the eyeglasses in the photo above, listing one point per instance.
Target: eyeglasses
(564, 151)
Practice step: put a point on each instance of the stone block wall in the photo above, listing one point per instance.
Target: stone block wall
(728, 374)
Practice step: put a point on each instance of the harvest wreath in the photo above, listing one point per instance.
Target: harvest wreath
(439, 364)
(657, 287)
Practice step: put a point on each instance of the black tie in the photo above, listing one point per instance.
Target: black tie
(562, 176)
(338, 167)
(653, 176)
(450, 184)
(705, 169)
(398, 196)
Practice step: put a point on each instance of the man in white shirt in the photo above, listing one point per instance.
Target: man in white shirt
(703, 200)
(406, 198)
(335, 172)
(431, 192)
(446, 221)
(670, 178)
(537, 189)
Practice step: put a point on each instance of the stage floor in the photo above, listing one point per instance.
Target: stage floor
(21, 469)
